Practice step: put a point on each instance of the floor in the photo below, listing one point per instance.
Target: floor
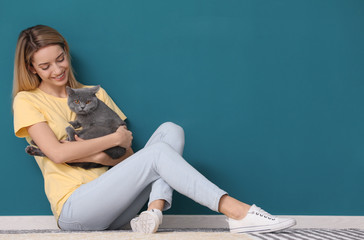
(189, 222)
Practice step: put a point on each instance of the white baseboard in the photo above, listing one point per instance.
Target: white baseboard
(189, 221)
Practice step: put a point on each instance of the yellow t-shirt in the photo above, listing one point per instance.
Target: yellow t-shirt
(60, 180)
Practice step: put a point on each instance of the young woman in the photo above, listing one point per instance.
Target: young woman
(98, 198)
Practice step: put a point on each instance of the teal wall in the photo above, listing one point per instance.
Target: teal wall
(269, 92)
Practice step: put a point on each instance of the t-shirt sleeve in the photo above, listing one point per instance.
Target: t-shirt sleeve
(25, 115)
(103, 96)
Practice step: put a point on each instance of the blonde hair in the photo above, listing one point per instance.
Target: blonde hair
(30, 41)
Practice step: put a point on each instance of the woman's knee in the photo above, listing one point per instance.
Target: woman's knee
(174, 135)
(172, 127)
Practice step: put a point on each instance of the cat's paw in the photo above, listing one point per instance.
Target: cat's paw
(71, 133)
(75, 124)
(34, 151)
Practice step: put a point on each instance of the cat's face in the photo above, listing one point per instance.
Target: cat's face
(82, 100)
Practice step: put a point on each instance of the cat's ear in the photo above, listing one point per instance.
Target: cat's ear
(95, 89)
(69, 91)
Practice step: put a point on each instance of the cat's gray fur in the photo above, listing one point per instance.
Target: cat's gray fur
(95, 118)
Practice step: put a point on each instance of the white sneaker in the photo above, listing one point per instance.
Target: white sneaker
(259, 221)
(147, 222)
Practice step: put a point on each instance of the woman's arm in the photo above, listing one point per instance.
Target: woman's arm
(59, 152)
(103, 158)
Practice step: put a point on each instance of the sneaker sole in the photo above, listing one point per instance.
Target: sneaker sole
(266, 228)
(145, 223)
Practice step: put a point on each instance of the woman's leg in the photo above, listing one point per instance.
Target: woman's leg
(169, 133)
(174, 136)
(160, 196)
(242, 217)
(96, 205)
(131, 211)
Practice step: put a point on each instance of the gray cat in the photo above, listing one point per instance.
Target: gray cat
(95, 118)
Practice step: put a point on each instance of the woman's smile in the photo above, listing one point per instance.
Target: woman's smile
(60, 77)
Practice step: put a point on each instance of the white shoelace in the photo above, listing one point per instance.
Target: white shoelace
(262, 213)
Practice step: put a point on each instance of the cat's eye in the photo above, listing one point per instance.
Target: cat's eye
(77, 101)
(89, 101)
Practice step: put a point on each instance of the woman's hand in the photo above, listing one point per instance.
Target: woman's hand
(124, 136)
(105, 159)
(102, 157)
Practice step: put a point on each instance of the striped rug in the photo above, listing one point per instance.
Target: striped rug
(312, 234)
(188, 233)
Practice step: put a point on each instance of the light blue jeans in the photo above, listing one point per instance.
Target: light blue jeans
(117, 196)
